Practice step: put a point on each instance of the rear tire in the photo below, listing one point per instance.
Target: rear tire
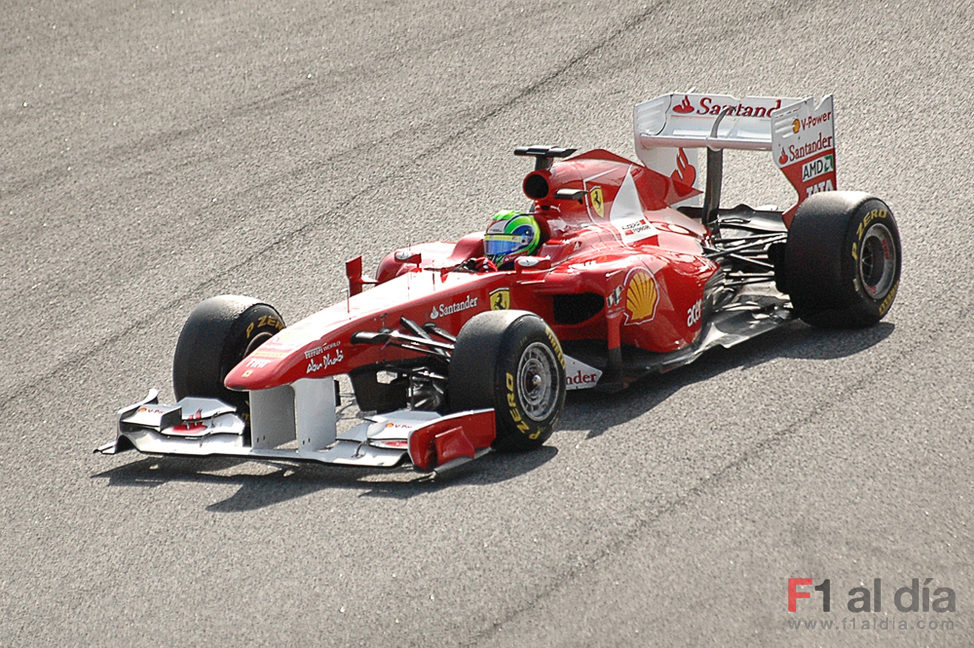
(218, 334)
(512, 362)
(843, 259)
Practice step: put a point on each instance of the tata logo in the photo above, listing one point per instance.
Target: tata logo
(824, 185)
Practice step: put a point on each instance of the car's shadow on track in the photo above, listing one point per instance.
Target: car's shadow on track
(587, 410)
(263, 483)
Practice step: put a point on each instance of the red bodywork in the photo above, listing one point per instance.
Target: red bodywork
(617, 264)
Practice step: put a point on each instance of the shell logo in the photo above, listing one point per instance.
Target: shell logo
(642, 296)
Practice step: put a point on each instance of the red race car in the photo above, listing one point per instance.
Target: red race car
(617, 269)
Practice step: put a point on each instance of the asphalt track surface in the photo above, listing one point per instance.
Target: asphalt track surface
(155, 153)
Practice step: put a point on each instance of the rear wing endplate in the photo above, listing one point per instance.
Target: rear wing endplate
(801, 136)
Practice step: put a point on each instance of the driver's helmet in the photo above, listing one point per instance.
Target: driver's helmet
(511, 234)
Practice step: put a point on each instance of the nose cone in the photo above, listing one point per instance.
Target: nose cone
(320, 345)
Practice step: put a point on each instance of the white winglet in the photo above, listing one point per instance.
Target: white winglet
(803, 145)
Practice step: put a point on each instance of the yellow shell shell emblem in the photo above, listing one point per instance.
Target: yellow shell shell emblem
(642, 296)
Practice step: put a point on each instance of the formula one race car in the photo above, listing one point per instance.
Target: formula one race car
(617, 270)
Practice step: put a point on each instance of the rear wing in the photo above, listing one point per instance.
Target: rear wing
(801, 136)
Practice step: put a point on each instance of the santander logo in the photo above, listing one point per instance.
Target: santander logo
(685, 174)
(579, 378)
(685, 106)
(709, 105)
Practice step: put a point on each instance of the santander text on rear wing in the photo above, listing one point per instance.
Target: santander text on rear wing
(800, 135)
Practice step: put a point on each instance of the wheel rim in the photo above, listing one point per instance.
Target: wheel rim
(537, 376)
(259, 339)
(877, 261)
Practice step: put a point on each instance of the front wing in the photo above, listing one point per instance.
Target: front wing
(292, 423)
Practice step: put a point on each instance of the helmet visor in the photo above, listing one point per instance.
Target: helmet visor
(499, 245)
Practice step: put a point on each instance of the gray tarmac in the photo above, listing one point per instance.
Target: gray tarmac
(154, 154)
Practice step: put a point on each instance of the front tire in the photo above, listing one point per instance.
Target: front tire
(218, 334)
(843, 260)
(512, 362)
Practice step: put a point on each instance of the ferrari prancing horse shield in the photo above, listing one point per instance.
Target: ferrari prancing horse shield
(597, 200)
(500, 299)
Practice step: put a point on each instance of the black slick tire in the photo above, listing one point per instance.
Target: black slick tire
(218, 334)
(510, 361)
(843, 260)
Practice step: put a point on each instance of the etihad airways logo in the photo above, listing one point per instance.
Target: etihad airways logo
(705, 105)
(442, 310)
